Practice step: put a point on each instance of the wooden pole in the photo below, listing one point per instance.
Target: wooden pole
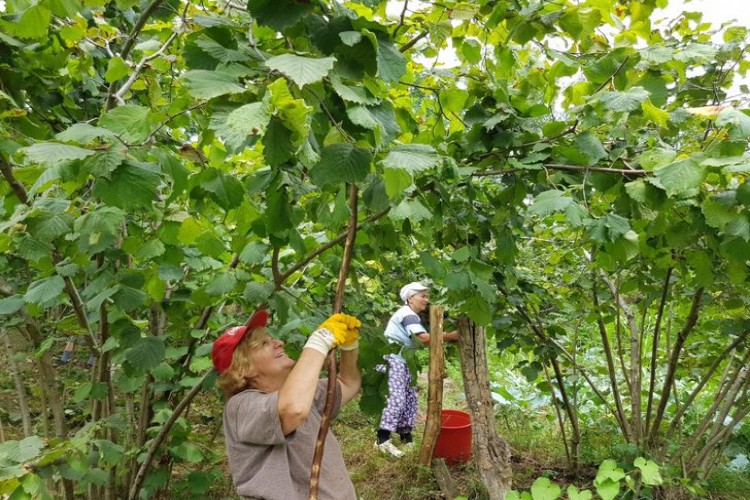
(338, 306)
(435, 387)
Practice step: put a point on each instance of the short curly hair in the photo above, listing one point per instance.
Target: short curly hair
(235, 379)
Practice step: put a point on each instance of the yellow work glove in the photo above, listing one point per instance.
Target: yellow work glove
(351, 341)
(339, 329)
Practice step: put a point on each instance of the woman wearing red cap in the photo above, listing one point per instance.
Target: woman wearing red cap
(274, 406)
(406, 331)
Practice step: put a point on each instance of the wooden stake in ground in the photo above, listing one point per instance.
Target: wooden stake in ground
(491, 452)
(434, 388)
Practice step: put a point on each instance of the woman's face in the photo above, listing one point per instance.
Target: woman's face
(269, 359)
(419, 301)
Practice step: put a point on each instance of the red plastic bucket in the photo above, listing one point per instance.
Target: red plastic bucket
(454, 441)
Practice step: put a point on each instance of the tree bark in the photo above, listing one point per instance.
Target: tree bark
(435, 388)
(491, 452)
(23, 405)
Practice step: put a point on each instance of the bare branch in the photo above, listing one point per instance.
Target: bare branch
(130, 42)
(139, 67)
(674, 360)
(17, 187)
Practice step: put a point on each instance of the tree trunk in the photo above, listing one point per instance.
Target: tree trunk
(23, 405)
(491, 452)
(435, 388)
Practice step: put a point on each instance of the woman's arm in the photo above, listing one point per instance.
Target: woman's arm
(350, 376)
(298, 390)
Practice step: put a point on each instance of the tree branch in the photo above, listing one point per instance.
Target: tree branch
(673, 362)
(129, 43)
(17, 187)
(655, 348)
(557, 166)
(136, 72)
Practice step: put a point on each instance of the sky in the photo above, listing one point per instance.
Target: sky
(714, 11)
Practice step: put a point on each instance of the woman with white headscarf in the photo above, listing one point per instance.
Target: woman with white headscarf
(405, 330)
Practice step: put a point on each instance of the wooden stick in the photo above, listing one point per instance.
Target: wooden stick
(338, 304)
(434, 388)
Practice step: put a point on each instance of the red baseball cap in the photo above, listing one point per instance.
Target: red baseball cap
(224, 346)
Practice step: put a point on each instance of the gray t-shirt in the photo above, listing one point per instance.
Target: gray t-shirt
(266, 464)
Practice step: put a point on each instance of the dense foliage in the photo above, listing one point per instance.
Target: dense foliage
(572, 175)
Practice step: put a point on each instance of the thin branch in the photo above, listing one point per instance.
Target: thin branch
(635, 358)
(540, 333)
(624, 425)
(401, 20)
(137, 71)
(130, 42)
(411, 43)
(16, 186)
(159, 439)
(655, 348)
(704, 380)
(673, 362)
(557, 166)
(338, 239)
(613, 75)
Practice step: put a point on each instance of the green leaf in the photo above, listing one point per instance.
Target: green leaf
(44, 292)
(256, 292)
(682, 178)
(608, 489)
(83, 133)
(432, 265)
(717, 214)
(649, 471)
(204, 84)
(357, 95)
(397, 182)
(301, 70)
(279, 14)
(116, 69)
(391, 62)
(574, 494)
(147, 353)
(410, 209)
(629, 100)
(479, 310)
(656, 157)
(738, 121)
(544, 489)
(220, 52)
(591, 147)
(656, 115)
(608, 228)
(413, 158)
(33, 23)
(254, 253)
(342, 162)
(11, 305)
(248, 120)
(130, 186)
(24, 450)
(226, 190)
(52, 153)
(129, 122)
(187, 451)
(223, 283)
(110, 453)
(548, 202)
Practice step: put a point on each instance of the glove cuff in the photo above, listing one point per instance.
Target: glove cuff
(350, 347)
(322, 340)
